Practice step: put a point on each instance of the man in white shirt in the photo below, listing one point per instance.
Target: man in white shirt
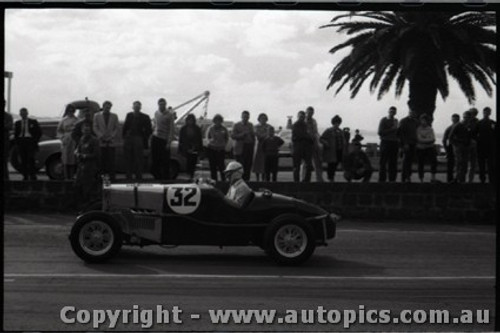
(239, 191)
(163, 135)
(105, 126)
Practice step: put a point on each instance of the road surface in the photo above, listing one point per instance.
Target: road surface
(369, 266)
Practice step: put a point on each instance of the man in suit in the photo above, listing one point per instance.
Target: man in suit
(27, 133)
(244, 142)
(105, 126)
(136, 132)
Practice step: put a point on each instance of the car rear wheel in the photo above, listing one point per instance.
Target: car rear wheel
(54, 167)
(290, 240)
(96, 237)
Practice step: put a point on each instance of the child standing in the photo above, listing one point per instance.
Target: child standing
(271, 146)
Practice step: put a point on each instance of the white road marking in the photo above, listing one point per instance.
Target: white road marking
(220, 276)
(436, 232)
(8, 280)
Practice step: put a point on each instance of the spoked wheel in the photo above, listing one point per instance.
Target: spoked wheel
(96, 237)
(289, 240)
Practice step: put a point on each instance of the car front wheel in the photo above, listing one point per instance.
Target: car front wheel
(289, 240)
(96, 237)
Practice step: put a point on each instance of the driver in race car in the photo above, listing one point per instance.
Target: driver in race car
(238, 192)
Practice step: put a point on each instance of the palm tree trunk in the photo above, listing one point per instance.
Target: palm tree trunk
(423, 93)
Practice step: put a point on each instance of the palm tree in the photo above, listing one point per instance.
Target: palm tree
(423, 48)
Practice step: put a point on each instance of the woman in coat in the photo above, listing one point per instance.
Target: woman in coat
(190, 143)
(217, 136)
(68, 145)
(261, 132)
(334, 146)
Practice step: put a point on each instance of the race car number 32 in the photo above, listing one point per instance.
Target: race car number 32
(183, 199)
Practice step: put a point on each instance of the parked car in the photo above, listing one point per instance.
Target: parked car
(288, 229)
(49, 157)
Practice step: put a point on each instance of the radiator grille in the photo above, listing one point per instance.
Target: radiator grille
(143, 222)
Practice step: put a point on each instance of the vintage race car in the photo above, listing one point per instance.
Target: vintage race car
(288, 229)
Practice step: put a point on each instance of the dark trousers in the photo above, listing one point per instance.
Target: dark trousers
(191, 160)
(332, 166)
(246, 159)
(424, 156)
(6, 151)
(27, 149)
(302, 151)
(133, 148)
(271, 167)
(408, 156)
(486, 162)
(461, 153)
(216, 160)
(108, 161)
(388, 160)
(450, 163)
(160, 158)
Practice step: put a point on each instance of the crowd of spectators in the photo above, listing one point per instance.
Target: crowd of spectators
(88, 146)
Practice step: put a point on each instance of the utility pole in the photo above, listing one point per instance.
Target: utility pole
(8, 76)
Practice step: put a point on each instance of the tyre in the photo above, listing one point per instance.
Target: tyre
(54, 167)
(290, 240)
(14, 158)
(96, 237)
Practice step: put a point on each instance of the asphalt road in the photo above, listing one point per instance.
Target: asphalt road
(369, 266)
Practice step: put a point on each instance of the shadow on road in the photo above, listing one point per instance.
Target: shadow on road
(253, 262)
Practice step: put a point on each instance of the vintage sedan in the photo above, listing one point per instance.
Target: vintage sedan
(288, 229)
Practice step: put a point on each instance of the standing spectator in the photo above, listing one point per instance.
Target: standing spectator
(261, 132)
(357, 165)
(473, 144)
(407, 133)
(426, 149)
(217, 136)
(460, 139)
(486, 145)
(64, 132)
(302, 143)
(271, 147)
(450, 156)
(163, 135)
(389, 146)
(136, 132)
(244, 142)
(347, 134)
(105, 127)
(87, 154)
(8, 125)
(76, 134)
(334, 146)
(190, 143)
(312, 127)
(27, 133)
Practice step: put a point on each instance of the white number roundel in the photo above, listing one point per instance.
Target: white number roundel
(183, 198)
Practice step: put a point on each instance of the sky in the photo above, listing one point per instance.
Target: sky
(271, 61)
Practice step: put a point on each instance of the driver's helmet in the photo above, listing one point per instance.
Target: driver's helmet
(234, 171)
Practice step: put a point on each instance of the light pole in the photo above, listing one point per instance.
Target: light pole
(8, 76)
